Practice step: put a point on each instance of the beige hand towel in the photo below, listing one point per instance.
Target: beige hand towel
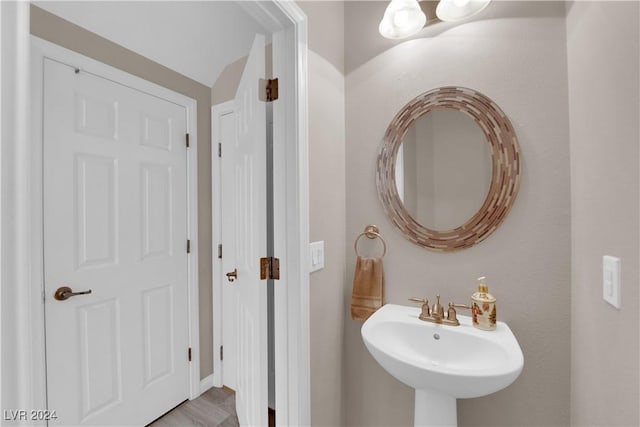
(368, 288)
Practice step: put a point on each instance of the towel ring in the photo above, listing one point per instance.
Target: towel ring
(371, 231)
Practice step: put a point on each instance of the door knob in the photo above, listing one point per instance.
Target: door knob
(65, 292)
(233, 275)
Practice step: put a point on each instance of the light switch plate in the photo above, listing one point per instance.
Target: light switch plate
(316, 256)
(611, 280)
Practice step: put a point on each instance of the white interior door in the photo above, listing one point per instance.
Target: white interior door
(250, 172)
(114, 223)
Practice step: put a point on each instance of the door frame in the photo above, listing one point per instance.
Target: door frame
(217, 111)
(288, 25)
(21, 262)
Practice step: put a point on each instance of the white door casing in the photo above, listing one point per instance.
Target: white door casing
(221, 114)
(249, 168)
(291, 221)
(229, 217)
(115, 222)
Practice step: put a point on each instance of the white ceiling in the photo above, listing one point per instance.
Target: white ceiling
(195, 38)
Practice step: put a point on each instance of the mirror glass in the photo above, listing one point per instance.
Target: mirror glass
(443, 169)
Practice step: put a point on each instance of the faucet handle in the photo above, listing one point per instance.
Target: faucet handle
(452, 315)
(425, 307)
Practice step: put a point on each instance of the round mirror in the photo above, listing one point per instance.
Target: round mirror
(443, 169)
(449, 169)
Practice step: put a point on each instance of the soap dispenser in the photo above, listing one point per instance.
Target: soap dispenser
(483, 307)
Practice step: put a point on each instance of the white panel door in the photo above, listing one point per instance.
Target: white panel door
(250, 173)
(114, 223)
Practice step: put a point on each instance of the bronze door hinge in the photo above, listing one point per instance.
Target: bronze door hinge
(189, 354)
(269, 268)
(272, 90)
(187, 139)
(268, 90)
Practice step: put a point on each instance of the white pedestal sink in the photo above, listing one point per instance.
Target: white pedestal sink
(442, 363)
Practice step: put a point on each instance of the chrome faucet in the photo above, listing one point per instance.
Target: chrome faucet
(436, 313)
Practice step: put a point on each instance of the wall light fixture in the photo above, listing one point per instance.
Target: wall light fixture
(404, 18)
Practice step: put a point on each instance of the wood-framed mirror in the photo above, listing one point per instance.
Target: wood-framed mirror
(448, 170)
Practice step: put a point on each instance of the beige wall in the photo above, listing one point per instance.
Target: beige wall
(327, 206)
(519, 60)
(603, 60)
(226, 85)
(54, 29)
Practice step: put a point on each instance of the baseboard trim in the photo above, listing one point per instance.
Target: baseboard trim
(206, 383)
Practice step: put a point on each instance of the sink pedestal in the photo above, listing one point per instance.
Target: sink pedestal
(434, 409)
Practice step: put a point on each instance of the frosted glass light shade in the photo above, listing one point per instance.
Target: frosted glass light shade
(456, 10)
(401, 19)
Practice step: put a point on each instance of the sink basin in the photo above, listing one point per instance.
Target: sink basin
(441, 362)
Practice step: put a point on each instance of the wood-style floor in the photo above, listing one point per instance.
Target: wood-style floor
(215, 408)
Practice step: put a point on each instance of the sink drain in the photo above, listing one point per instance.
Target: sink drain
(436, 336)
